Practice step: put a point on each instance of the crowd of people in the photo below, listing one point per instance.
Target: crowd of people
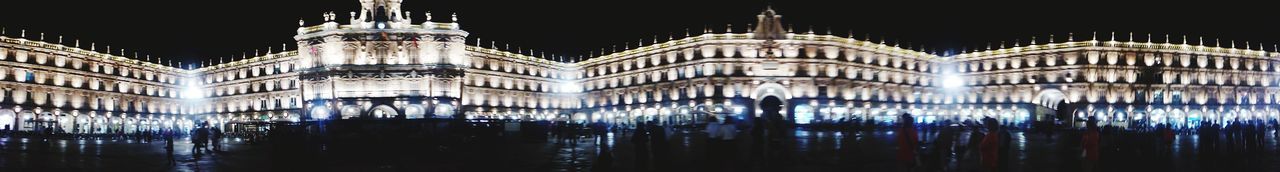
(972, 145)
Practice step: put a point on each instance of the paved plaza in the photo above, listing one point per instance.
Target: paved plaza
(509, 151)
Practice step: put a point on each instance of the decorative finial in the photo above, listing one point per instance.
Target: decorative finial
(1113, 36)
(1095, 36)
(302, 22)
(1130, 37)
(1148, 37)
(59, 39)
(811, 29)
(1248, 46)
(686, 32)
(1017, 42)
(791, 28)
(453, 17)
(1166, 38)
(1217, 42)
(41, 36)
(1071, 37)
(1033, 40)
(728, 28)
(428, 16)
(1050, 38)
(828, 30)
(24, 34)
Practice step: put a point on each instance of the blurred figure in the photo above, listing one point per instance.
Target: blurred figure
(200, 138)
(1090, 145)
(908, 142)
(641, 140)
(942, 147)
(217, 138)
(168, 146)
(990, 146)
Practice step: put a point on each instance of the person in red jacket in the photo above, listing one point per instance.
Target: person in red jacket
(990, 146)
(908, 142)
(1090, 145)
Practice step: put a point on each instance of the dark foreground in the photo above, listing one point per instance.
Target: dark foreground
(688, 151)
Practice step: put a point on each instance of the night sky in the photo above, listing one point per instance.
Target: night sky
(198, 30)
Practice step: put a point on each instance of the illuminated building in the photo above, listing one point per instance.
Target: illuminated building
(384, 65)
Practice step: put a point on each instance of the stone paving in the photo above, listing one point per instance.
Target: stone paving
(689, 151)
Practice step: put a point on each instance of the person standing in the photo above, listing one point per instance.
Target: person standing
(990, 146)
(168, 146)
(728, 132)
(200, 137)
(1006, 140)
(658, 142)
(942, 148)
(217, 138)
(908, 142)
(640, 139)
(1090, 145)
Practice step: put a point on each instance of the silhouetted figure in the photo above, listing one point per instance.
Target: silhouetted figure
(1005, 145)
(217, 138)
(168, 147)
(1089, 143)
(658, 142)
(942, 148)
(200, 138)
(990, 146)
(641, 140)
(908, 141)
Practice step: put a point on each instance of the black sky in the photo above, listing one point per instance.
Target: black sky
(196, 30)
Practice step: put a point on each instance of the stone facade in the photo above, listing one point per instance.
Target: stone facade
(381, 65)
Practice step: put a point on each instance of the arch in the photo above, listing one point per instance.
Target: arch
(1050, 98)
(350, 111)
(319, 112)
(804, 113)
(383, 112)
(414, 111)
(765, 90)
(443, 110)
(8, 119)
